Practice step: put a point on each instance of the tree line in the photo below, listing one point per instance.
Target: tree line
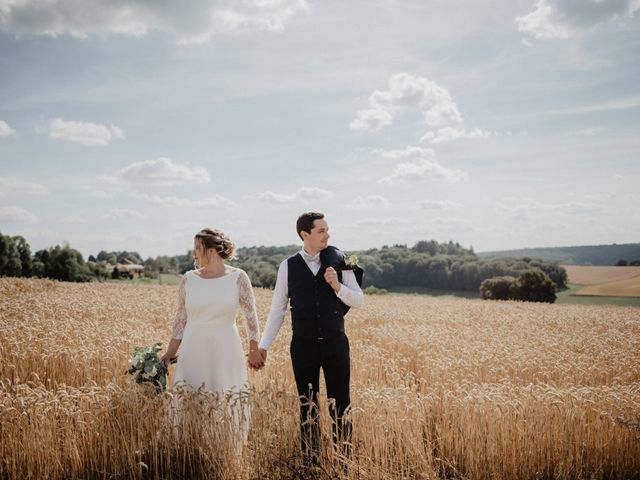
(625, 263)
(62, 262)
(428, 264)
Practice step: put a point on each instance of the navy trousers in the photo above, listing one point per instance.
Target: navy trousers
(308, 356)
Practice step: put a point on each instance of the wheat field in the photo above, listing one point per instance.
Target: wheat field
(594, 275)
(619, 288)
(441, 388)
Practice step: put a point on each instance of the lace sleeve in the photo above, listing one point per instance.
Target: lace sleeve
(248, 307)
(180, 319)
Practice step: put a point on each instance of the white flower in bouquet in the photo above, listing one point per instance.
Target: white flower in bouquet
(351, 261)
(146, 366)
(135, 361)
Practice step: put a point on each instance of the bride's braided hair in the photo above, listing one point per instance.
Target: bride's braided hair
(218, 240)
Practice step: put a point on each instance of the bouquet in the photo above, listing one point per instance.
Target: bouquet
(146, 367)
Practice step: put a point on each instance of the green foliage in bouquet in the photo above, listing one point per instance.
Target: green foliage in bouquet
(146, 367)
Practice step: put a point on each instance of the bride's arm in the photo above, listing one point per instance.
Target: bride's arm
(250, 315)
(172, 351)
(179, 322)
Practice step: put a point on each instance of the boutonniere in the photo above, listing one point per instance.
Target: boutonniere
(350, 262)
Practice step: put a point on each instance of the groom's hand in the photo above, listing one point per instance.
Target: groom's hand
(263, 354)
(255, 360)
(331, 277)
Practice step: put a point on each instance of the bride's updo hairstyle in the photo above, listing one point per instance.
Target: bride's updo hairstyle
(217, 240)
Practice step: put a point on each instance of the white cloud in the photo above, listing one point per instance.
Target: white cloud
(164, 171)
(447, 134)
(272, 197)
(625, 103)
(73, 219)
(380, 223)
(123, 214)
(196, 22)
(577, 208)
(438, 205)
(617, 177)
(406, 231)
(101, 194)
(85, 133)
(313, 193)
(409, 151)
(303, 194)
(5, 129)
(420, 164)
(16, 215)
(447, 226)
(170, 201)
(585, 132)
(528, 208)
(423, 169)
(372, 119)
(369, 202)
(20, 185)
(407, 92)
(560, 19)
(599, 197)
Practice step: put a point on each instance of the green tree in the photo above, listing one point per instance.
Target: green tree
(534, 286)
(10, 264)
(63, 263)
(131, 256)
(185, 262)
(24, 251)
(497, 288)
(99, 270)
(41, 261)
(430, 247)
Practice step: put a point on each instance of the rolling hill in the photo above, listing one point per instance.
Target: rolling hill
(579, 255)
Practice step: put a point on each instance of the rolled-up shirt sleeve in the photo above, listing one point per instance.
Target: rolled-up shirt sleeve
(350, 292)
(279, 304)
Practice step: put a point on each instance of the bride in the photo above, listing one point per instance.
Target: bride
(204, 328)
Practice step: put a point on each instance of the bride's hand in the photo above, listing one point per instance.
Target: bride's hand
(166, 359)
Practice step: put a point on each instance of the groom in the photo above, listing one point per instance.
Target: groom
(320, 288)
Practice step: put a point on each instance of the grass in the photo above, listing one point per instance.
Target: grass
(434, 292)
(564, 297)
(568, 296)
(163, 279)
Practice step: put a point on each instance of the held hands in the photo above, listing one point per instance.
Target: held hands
(331, 277)
(257, 358)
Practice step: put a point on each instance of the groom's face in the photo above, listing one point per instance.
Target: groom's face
(318, 238)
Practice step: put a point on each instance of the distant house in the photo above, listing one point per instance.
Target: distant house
(129, 268)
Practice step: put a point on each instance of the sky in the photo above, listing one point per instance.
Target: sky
(498, 124)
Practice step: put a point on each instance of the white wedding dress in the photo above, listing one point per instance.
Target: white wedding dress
(211, 356)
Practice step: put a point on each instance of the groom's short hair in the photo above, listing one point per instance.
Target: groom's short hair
(305, 222)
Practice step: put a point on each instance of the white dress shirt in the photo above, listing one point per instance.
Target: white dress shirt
(350, 294)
